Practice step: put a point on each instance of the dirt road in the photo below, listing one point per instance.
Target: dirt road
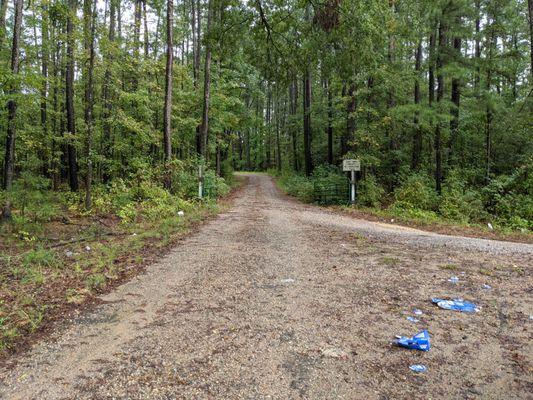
(279, 300)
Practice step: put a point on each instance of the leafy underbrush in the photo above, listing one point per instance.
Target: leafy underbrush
(325, 181)
(55, 253)
(506, 202)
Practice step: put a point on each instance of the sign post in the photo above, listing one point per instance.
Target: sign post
(351, 166)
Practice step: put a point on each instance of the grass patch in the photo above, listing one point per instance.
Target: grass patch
(486, 271)
(449, 267)
(390, 261)
(62, 263)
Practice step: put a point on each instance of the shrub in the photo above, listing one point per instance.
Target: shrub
(510, 198)
(227, 171)
(459, 203)
(32, 202)
(95, 281)
(369, 192)
(127, 213)
(298, 186)
(416, 192)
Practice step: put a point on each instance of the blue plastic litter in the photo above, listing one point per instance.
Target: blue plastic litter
(416, 311)
(420, 341)
(413, 319)
(456, 305)
(418, 368)
(485, 286)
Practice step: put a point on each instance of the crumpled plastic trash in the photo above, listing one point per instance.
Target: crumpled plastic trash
(456, 305)
(287, 280)
(453, 279)
(420, 341)
(416, 311)
(418, 368)
(485, 286)
(412, 319)
(69, 253)
(181, 213)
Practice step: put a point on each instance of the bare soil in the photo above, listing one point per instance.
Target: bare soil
(276, 299)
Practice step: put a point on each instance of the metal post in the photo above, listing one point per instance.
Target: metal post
(352, 187)
(200, 182)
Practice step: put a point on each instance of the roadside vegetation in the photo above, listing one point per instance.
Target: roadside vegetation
(504, 206)
(55, 255)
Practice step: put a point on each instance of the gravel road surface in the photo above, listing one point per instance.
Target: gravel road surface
(279, 300)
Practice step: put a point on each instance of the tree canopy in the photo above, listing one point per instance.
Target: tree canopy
(96, 91)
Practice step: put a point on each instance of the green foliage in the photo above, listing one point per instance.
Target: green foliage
(95, 281)
(41, 257)
(369, 192)
(33, 202)
(127, 213)
(510, 198)
(297, 186)
(214, 185)
(459, 202)
(415, 193)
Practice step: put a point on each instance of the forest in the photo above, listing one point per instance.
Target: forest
(434, 98)
(110, 110)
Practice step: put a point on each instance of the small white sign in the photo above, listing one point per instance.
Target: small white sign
(351, 165)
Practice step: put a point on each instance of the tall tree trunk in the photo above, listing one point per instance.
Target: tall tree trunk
(417, 136)
(277, 115)
(431, 69)
(390, 127)
(89, 22)
(456, 99)
(198, 52)
(56, 117)
(268, 120)
(106, 91)
(204, 130)
(9, 162)
(119, 20)
(248, 151)
(370, 99)
(146, 39)
(137, 29)
(293, 107)
(488, 110)
(167, 142)
(136, 42)
(195, 28)
(69, 99)
(350, 120)
(329, 129)
(440, 95)
(218, 157)
(45, 57)
(3, 11)
(477, 45)
(530, 13)
(194, 40)
(307, 122)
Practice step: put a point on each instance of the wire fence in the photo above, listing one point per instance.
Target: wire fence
(327, 193)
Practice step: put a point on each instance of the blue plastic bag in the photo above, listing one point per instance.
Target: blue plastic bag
(420, 341)
(456, 305)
